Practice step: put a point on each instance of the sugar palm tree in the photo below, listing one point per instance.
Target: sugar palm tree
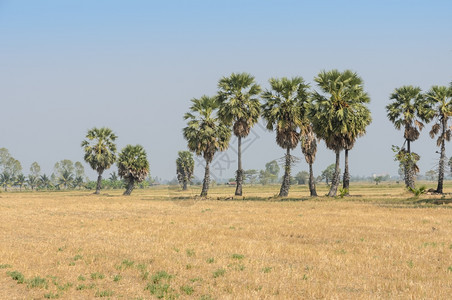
(408, 110)
(335, 111)
(133, 166)
(100, 151)
(240, 107)
(309, 149)
(185, 165)
(440, 97)
(284, 110)
(358, 122)
(205, 133)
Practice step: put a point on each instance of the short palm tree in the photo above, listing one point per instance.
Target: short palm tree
(335, 111)
(240, 107)
(284, 110)
(20, 181)
(6, 179)
(100, 151)
(309, 149)
(44, 181)
(66, 179)
(32, 181)
(185, 165)
(440, 97)
(408, 110)
(133, 166)
(205, 133)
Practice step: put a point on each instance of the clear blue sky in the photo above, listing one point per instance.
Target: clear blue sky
(67, 66)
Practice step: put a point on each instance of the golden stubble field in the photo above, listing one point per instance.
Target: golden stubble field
(75, 245)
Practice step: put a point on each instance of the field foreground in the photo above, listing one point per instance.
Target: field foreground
(75, 245)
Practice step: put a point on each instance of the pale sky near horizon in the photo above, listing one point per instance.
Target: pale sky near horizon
(133, 66)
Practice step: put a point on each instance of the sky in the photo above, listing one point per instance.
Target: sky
(134, 66)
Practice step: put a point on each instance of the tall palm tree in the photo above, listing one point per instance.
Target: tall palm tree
(335, 111)
(309, 149)
(133, 166)
(185, 165)
(409, 110)
(440, 97)
(205, 133)
(284, 110)
(100, 151)
(240, 107)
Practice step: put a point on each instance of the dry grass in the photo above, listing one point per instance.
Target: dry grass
(379, 245)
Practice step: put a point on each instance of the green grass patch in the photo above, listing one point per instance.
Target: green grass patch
(5, 266)
(218, 273)
(51, 295)
(210, 260)
(187, 290)
(37, 282)
(105, 293)
(237, 256)
(117, 278)
(16, 275)
(97, 275)
(266, 269)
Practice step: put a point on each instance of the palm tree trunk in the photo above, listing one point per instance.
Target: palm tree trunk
(442, 158)
(239, 178)
(408, 170)
(312, 182)
(130, 187)
(99, 182)
(335, 182)
(184, 184)
(285, 186)
(206, 181)
(346, 180)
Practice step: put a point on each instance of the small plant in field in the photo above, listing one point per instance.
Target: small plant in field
(343, 192)
(105, 293)
(116, 278)
(77, 257)
(410, 263)
(51, 296)
(206, 297)
(417, 191)
(5, 266)
(449, 269)
(125, 264)
(187, 290)
(267, 269)
(237, 256)
(16, 275)
(196, 279)
(97, 275)
(37, 282)
(65, 287)
(81, 278)
(190, 252)
(188, 266)
(81, 287)
(218, 273)
(159, 285)
(210, 260)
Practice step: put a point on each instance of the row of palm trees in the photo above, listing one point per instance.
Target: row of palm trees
(336, 113)
(409, 110)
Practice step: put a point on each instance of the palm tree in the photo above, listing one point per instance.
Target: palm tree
(66, 179)
(78, 182)
(20, 181)
(205, 133)
(357, 127)
(6, 179)
(408, 110)
(284, 110)
(185, 165)
(32, 181)
(133, 166)
(309, 149)
(240, 107)
(44, 181)
(440, 97)
(100, 151)
(335, 111)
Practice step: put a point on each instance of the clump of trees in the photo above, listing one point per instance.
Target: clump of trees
(185, 165)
